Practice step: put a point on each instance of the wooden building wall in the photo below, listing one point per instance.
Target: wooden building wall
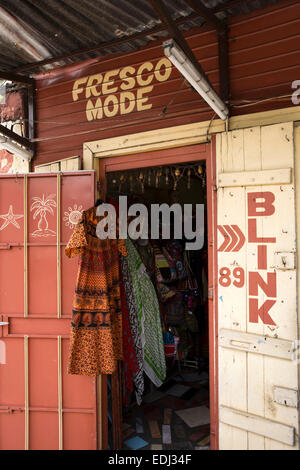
(258, 327)
(264, 60)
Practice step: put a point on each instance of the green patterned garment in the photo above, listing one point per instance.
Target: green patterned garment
(148, 314)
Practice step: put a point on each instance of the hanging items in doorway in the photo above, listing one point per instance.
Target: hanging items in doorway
(174, 248)
(96, 329)
(148, 313)
(142, 181)
(133, 354)
(136, 376)
(165, 292)
(172, 335)
(200, 174)
(121, 181)
(165, 267)
(130, 364)
(177, 175)
(171, 341)
(189, 285)
(157, 177)
(138, 180)
(169, 344)
(167, 175)
(174, 310)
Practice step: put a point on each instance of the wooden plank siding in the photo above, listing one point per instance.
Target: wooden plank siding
(264, 60)
(251, 369)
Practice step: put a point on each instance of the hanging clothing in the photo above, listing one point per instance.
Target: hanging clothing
(130, 364)
(133, 366)
(138, 378)
(148, 315)
(96, 329)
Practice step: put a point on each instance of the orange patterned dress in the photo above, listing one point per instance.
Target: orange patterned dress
(96, 329)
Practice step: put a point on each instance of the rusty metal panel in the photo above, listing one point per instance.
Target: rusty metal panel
(100, 28)
(36, 304)
(88, 24)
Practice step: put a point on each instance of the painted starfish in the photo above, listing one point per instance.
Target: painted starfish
(10, 218)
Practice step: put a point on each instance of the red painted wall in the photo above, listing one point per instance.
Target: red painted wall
(264, 60)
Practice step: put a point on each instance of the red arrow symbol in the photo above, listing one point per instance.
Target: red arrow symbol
(241, 237)
(234, 238)
(226, 238)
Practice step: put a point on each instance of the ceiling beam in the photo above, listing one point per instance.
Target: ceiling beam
(223, 48)
(16, 137)
(13, 77)
(227, 5)
(176, 34)
(207, 14)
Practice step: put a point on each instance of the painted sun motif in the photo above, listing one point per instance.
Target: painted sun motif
(73, 216)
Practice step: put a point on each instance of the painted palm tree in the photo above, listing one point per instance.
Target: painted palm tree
(42, 207)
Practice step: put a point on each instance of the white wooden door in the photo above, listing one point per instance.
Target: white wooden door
(257, 311)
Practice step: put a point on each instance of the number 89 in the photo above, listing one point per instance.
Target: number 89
(225, 277)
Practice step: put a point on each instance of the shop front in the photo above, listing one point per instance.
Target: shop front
(179, 176)
(251, 330)
(251, 257)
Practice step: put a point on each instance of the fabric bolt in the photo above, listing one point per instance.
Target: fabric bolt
(148, 315)
(134, 327)
(96, 328)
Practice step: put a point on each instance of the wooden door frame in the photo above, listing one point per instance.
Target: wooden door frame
(199, 152)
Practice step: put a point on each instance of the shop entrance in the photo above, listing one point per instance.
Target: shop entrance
(180, 412)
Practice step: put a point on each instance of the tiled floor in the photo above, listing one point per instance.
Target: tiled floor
(156, 426)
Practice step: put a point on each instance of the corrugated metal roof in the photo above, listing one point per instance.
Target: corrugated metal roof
(33, 30)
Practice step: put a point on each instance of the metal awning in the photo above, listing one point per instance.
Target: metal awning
(35, 34)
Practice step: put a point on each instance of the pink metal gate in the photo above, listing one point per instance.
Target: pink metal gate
(41, 407)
